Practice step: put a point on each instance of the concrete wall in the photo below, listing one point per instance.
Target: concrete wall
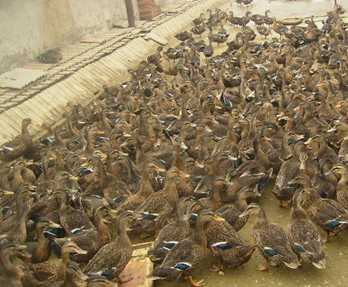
(165, 2)
(28, 27)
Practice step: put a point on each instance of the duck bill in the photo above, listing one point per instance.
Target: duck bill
(105, 221)
(292, 265)
(80, 251)
(320, 265)
(218, 218)
(8, 193)
(54, 225)
(21, 247)
(308, 142)
(24, 255)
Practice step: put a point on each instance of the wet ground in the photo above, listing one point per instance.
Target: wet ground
(336, 249)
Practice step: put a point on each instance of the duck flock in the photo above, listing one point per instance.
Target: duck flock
(182, 153)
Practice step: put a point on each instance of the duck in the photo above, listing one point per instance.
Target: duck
(41, 250)
(231, 211)
(163, 202)
(268, 20)
(199, 20)
(260, 19)
(11, 273)
(183, 36)
(187, 255)
(284, 188)
(244, 2)
(327, 213)
(18, 232)
(263, 30)
(341, 130)
(74, 276)
(154, 59)
(272, 241)
(341, 188)
(21, 175)
(279, 28)
(220, 37)
(23, 146)
(71, 217)
(54, 269)
(91, 240)
(172, 233)
(227, 245)
(239, 21)
(326, 156)
(198, 29)
(305, 237)
(208, 50)
(116, 254)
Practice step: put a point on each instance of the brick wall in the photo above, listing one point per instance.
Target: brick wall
(148, 9)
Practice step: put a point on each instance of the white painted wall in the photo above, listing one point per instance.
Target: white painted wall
(28, 27)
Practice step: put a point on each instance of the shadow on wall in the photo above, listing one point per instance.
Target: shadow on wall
(57, 24)
(30, 27)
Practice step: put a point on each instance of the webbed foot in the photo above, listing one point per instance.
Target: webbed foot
(262, 267)
(194, 283)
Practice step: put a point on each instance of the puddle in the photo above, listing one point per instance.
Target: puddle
(337, 250)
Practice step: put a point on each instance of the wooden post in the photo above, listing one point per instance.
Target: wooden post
(130, 13)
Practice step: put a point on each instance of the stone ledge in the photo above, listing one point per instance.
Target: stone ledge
(50, 105)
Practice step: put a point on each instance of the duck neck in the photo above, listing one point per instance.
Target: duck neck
(64, 263)
(9, 267)
(216, 199)
(310, 197)
(261, 219)
(26, 137)
(184, 114)
(25, 130)
(63, 204)
(199, 235)
(101, 172)
(18, 179)
(103, 231)
(42, 250)
(20, 227)
(344, 179)
(179, 163)
(145, 186)
(58, 138)
(71, 128)
(322, 149)
(123, 235)
(105, 122)
(241, 202)
(298, 213)
(181, 215)
(171, 191)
